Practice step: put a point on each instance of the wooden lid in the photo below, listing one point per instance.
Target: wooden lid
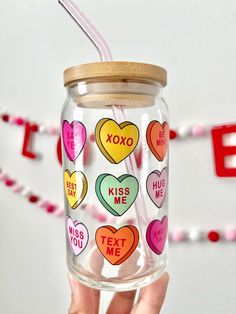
(115, 70)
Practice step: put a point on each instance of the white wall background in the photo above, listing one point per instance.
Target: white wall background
(196, 42)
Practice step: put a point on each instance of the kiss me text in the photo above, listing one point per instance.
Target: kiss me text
(120, 194)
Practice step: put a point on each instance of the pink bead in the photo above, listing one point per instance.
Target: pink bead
(19, 121)
(3, 176)
(53, 131)
(43, 204)
(59, 212)
(12, 119)
(92, 210)
(17, 188)
(92, 138)
(198, 130)
(101, 217)
(230, 234)
(178, 236)
(130, 221)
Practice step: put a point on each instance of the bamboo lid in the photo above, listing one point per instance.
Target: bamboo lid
(117, 70)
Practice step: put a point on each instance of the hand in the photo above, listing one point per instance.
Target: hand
(86, 300)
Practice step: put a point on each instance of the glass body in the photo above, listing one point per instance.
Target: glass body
(115, 163)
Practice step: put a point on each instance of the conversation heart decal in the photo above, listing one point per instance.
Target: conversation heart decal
(116, 245)
(116, 141)
(156, 235)
(116, 194)
(76, 186)
(157, 186)
(74, 138)
(77, 236)
(157, 138)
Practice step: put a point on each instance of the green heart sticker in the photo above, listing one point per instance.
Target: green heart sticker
(117, 195)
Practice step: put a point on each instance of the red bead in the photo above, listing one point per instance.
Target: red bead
(34, 127)
(33, 198)
(19, 121)
(9, 182)
(213, 236)
(50, 208)
(5, 117)
(173, 134)
(92, 138)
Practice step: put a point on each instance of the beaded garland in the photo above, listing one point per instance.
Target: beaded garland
(175, 236)
(21, 121)
(32, 197)
(182, 132)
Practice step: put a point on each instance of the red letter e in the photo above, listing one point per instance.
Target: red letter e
(221, 151)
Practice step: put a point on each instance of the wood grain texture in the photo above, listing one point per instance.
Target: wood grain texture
(116, 70)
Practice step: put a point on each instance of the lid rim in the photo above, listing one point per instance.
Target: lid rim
(115, 69)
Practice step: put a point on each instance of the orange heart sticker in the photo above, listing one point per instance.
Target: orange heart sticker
(157, 138)
(116, 245)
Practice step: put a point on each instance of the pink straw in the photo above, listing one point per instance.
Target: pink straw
(88, 28)
(105, 54)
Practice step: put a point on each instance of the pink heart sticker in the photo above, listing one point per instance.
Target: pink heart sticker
(77, 235)
(74, 137)
(156, 235)
(157, 186)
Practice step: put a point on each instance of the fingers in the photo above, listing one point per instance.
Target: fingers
(96, 260)
(84, 300)
(122, 302)
(152, 297)
(130, 266)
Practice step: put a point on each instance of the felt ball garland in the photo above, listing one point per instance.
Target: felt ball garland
(21, 121)
(33, 198)
(175, 236)
(179, 133)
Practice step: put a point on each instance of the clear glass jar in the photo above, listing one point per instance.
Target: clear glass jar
(115, 161)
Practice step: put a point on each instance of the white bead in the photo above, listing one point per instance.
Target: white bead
(26, 191)
(3, 110)
(184, 131)
(194, 235)
(42, 128)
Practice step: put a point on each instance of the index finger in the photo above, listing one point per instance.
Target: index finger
(84, 300)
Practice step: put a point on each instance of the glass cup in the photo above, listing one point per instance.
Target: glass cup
(115, 137)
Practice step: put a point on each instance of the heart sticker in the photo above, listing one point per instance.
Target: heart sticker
(116, 245)
(158, 138)
(157, 186)
(116, 141)
(156, 235)
(117, 195)
(76, 186)
(77, 235)
(74, 138)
